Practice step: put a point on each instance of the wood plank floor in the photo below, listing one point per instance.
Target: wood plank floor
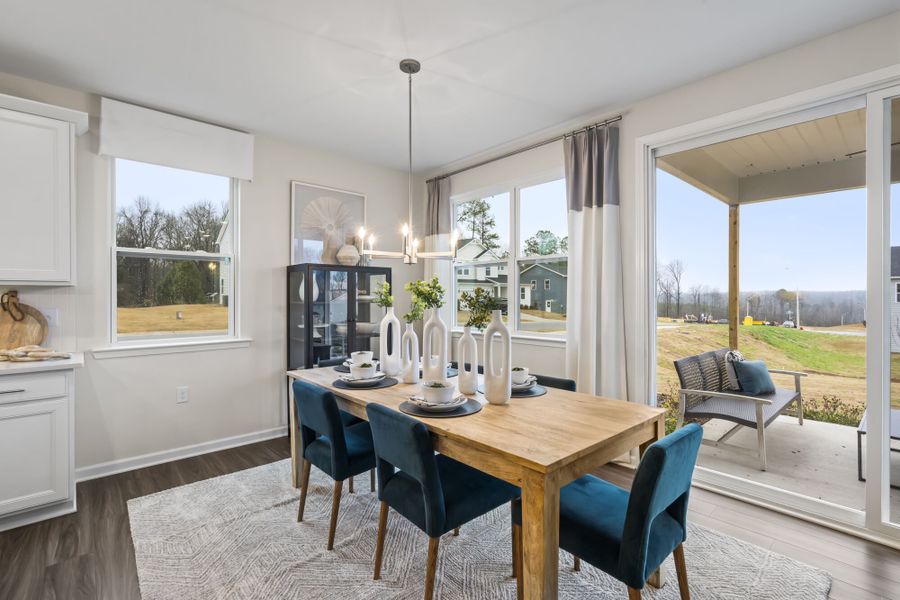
(89, 555)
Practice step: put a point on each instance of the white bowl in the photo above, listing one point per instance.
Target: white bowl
(438, 395)
(520, 377)
(363, 356)
(361, 372)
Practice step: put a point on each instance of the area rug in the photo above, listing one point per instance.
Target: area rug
(236, 537)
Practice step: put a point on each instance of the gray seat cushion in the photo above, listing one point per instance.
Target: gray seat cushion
(742, 411)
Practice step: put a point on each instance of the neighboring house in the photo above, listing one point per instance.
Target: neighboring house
(543, 288)
(491, 276)
(225, 245)
(895, 299)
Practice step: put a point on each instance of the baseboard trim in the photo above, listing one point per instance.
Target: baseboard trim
(155, 458)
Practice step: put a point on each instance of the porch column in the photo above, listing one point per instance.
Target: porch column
(734, 300)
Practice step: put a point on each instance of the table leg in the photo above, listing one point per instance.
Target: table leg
(540, 536)
(294, 432)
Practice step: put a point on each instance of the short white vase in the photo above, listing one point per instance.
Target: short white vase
(409, 355)
(389, 357)
(434, 348)
(497, 373)
(467, 353)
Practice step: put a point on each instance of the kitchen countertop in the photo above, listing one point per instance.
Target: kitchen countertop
(60, 364)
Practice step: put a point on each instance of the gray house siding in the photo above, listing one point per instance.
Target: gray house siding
(539, 295)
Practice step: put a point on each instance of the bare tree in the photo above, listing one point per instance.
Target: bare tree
(696, 294)
(675, 272)
(666, 289)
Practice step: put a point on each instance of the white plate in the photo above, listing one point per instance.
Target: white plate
(363, 381)
(438, 408)
(529, 383)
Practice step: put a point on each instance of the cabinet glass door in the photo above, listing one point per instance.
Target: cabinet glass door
(297, 319)
(329, 314)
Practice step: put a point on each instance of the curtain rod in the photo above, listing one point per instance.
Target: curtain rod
(525, 149)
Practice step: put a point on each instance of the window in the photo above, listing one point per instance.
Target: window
(897, 291)
(514, 237)
(174, 253)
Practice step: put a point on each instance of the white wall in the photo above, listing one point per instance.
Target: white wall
(125, 407)
(867, 47)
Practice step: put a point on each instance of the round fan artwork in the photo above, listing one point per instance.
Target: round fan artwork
(329, 218)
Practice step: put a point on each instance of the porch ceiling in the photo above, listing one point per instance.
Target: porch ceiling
(823, 155)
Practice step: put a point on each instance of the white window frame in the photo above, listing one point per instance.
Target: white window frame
(546, 285)
(897, 292)
(511, 264)
(211, 341)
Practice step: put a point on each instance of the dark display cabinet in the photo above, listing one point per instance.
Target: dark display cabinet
(331, 312)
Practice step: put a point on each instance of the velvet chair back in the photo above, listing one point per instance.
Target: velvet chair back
(319, 416)
(556, 382)
(405, 444)
(659, 499)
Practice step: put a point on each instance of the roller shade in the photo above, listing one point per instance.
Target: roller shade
(138, 133)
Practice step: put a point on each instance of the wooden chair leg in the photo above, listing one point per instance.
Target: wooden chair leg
(456, 532)
(634, 594)
(577, 565)
(516, 546)
(372, 480)
(431, 567)
(335, 506)
(350, 487)
(681, 570)
(379, 542)
(304, 485)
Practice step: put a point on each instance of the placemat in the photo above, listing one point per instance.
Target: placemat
(469, 408)
(384, 383)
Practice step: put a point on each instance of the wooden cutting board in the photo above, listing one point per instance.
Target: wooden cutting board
(30, 330)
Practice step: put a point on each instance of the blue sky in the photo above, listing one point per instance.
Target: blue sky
(812, 242)
(172, 189)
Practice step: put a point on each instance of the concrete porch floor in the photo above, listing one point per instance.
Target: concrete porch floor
(817, 459)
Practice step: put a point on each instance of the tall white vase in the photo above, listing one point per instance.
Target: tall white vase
(434, 348)
(497, 369)
(467, 352)
(409, 355)
(389, 357)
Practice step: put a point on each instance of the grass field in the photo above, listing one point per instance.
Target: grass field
(196, 318)
(836, 364)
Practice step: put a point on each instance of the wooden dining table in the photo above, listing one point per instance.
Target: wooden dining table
(536, 443)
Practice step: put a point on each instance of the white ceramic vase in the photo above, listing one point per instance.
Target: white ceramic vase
(348, 255)
(389, 357)
(467, 352)
(434, 348)
(497, 369)
(409, 355)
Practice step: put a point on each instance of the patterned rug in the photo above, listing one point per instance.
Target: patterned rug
(236, 537)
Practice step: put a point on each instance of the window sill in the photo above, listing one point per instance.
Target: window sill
(169, 347)
(521, 338)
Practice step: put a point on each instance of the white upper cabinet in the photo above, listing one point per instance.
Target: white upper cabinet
(37, 193)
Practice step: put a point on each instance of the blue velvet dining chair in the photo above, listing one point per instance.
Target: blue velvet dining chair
(629, 534)
(436, 493)
(338, 449)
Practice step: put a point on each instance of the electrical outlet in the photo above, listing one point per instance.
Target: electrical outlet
(52, 316)
(181, 394)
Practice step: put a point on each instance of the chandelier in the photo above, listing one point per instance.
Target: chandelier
(410, 244)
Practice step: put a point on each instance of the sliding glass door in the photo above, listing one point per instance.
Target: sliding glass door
(880, 428)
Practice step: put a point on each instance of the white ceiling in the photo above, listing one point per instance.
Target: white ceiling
(324, 73)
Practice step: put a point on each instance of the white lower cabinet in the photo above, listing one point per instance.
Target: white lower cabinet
(37, 466)
(34, 451)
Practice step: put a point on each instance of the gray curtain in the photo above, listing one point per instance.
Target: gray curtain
(437, 215)
(595, 339)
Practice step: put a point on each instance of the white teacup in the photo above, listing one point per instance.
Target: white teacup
(438, 392)
(363, 356)
(363, 370)
(519, 375)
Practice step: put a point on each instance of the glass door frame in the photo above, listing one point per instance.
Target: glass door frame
(878, 339)
(871, 90)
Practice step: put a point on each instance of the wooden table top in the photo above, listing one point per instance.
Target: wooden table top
(543, 433)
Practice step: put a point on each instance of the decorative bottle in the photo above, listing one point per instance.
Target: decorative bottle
(497, 370)
(434, 348)
(390, 358)
(409, 355)
(467, 352)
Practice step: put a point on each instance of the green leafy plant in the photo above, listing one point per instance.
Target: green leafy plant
(479, 303)
(429, 293)
(416, 312)
(436, 385)
(383, 296)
